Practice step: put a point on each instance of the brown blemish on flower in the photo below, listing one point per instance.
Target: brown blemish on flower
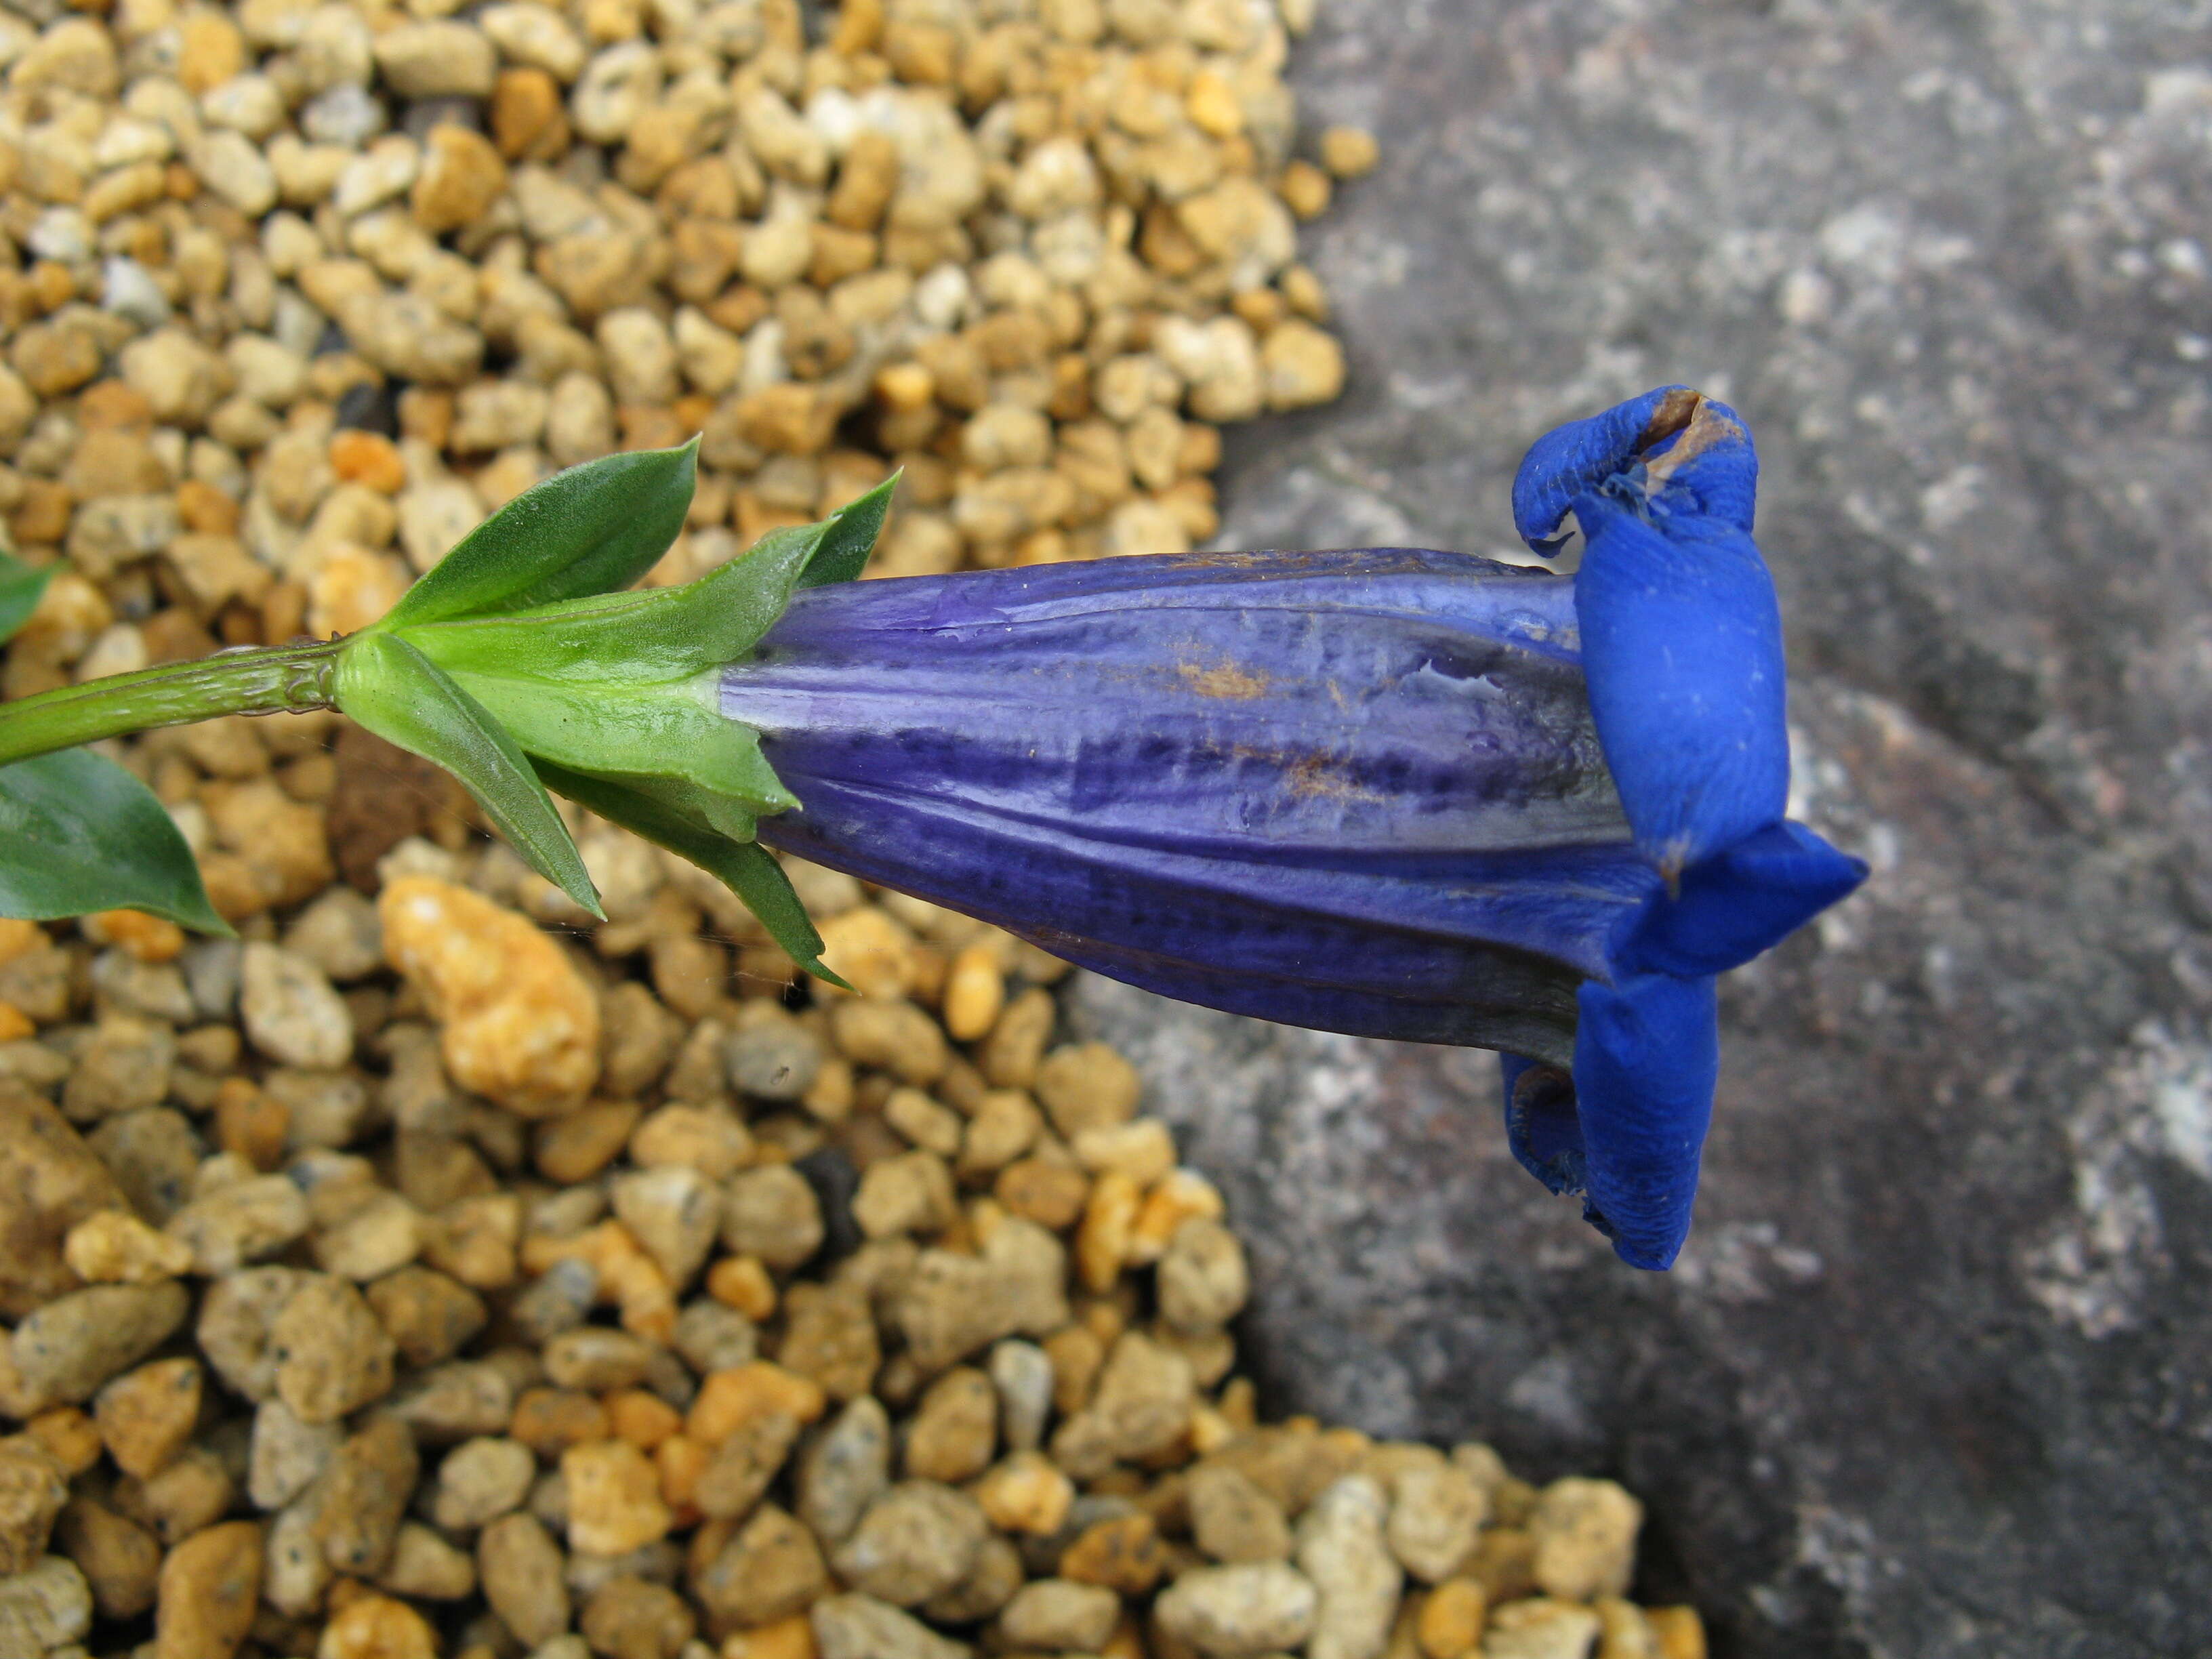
(1702, 429)
(1317, 777)
(1226, 680)
(1312, 777)
(1676, 411)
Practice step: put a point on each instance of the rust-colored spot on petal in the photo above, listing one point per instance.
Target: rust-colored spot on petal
(1226, 680)
(1676, 411)
(1703, 428)
(1319, 777)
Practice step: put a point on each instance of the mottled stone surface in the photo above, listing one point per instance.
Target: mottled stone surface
(1930, 1380)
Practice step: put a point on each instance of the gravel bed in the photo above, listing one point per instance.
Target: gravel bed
(431, 1271)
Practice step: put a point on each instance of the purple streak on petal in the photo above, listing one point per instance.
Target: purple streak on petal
(1353, 790)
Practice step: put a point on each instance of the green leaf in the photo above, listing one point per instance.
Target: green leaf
(79, 834)
(663, 634)
(593, 529)
(20, 588)
(399, 694)
(746, 868)
(852, 537)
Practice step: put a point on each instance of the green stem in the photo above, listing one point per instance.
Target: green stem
(250, 680)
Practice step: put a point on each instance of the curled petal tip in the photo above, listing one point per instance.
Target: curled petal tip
(1672, 447)
(1574, 459)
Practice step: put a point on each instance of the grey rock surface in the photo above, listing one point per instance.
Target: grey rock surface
(1935, 1377)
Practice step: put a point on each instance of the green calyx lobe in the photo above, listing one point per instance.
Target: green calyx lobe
(518, 665)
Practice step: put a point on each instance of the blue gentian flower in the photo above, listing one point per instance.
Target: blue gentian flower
(1393, 793)
(1682, 653)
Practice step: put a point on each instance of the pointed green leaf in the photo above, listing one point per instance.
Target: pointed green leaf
(746, 868)
(593, 529)
(666, 633)
(20, 588)
(79, 834)
(399, 694)
(852, 537)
